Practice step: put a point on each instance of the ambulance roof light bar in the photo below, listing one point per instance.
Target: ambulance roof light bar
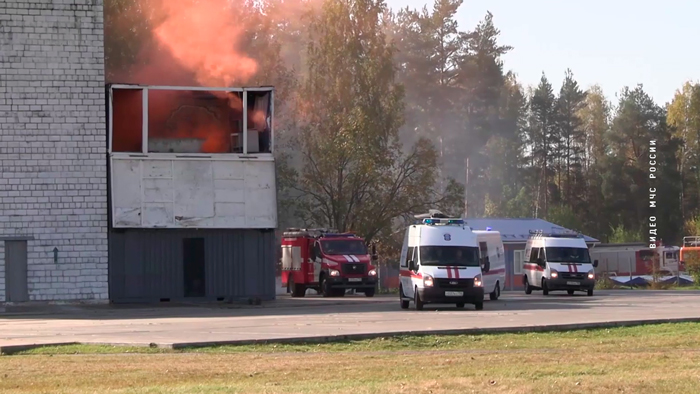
(565, 234)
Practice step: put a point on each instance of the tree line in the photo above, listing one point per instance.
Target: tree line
(382, 113)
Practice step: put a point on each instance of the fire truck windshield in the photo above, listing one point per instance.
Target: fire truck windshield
(343, 247)
(463, 256)
(567, 255)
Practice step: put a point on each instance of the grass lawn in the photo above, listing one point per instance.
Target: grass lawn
(646, 359)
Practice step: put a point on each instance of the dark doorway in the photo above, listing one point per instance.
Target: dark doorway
(16, 271)
(193, 264)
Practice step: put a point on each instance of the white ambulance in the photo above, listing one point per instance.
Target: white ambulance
(558, 261)
(494, 264)
(441, 263)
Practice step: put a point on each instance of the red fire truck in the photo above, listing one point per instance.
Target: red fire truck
(328, 262)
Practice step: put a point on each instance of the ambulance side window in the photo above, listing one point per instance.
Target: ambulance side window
(533, 255)
(542, 256)
(409, 254)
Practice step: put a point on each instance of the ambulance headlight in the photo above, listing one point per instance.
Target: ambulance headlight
(478, 282)
(427, 281)
(591, 274)
(372, 272)
(334, 272)
(554, 273)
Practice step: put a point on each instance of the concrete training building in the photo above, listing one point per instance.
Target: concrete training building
(84, 215)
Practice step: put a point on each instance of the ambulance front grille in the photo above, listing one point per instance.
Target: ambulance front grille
(354, 269)
(445, 283)
(573, 275)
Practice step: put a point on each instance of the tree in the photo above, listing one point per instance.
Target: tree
(571, 141)
(684, 117)
(355, 173)
(542, 138)
(595, 118)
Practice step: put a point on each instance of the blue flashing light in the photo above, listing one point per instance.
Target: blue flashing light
(430, 221)
(456, 221)
(488, 228)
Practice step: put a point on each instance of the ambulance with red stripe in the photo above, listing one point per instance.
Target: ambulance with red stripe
(558, 262)
(442, 262)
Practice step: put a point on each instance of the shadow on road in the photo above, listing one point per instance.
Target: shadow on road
(316, 305)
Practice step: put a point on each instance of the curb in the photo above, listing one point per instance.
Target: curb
(12, 349)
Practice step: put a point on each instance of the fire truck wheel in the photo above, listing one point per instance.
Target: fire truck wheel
(325, 288)
(417, 301)
(369, 293)
(528, 288)
(404, 303)
(297, 290)
(339, 293)
(460, 305)
(570, 292)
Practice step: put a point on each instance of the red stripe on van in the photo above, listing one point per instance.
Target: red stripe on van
(533, 267)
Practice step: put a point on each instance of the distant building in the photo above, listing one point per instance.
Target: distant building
(515, 233)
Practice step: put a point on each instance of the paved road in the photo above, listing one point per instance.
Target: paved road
(317, 317)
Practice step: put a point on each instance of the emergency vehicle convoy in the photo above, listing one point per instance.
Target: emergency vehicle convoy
(328, 262)
(558, 262)
(444, 261)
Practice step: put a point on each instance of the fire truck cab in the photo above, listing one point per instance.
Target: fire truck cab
(558, 261)
(328, 262)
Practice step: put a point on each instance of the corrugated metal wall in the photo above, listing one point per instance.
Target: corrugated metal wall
(146, 265)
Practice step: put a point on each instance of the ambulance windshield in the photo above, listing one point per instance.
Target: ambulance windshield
(343, 247)
(567, 255)
(464, 256)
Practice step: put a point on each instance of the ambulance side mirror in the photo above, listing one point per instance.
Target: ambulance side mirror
(595, 263)
(486, 266)
(411, 265)
(540, 261)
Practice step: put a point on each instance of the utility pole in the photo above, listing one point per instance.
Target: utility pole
(466, 189)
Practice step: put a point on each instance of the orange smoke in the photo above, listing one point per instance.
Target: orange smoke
(204, 38)
(195, 43)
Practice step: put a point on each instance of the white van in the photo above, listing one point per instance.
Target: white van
(558, 262)
(440, 263)
(494, 268)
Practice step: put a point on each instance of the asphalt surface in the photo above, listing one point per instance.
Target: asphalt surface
(314, 317)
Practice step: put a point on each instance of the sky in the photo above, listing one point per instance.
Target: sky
(613, 43)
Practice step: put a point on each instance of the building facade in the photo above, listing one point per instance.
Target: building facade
(53, 176)
(114, 194)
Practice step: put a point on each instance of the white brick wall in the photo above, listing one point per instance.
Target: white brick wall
(53, 176)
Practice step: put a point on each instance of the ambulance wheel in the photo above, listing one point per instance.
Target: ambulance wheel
(460, 305)
(479, 306)
(545, 290)
(369, 293)
(528, 288)
(590, 292)
(404, 303)
(570, 292)
(417, 301)
(496, 292)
